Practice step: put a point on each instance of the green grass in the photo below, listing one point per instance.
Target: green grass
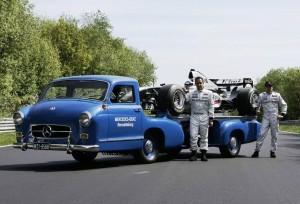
(290, 128)
(7, 138)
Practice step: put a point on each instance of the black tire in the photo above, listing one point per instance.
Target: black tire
(84, 157)
(232, 149)
(245, 101)
(171, 98)
(149, 153)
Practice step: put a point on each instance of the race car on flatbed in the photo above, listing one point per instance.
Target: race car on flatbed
(85, 115)
(229, 95)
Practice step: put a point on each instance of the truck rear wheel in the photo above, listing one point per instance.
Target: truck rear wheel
(171, 97)
(232, 149)
(149, 152)
(84, 157)
(246, 100)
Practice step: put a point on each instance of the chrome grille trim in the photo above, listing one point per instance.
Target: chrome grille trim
(50, 131)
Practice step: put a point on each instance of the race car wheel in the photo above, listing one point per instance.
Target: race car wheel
(84, 157)
(149, 152)
(246, 100)
(171, 97)
(232, 149)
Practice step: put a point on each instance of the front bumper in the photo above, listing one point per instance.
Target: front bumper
(66, 147)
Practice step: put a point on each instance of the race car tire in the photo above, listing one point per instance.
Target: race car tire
(84, 157)
(245, 101)
(171, 98)
(232, 149)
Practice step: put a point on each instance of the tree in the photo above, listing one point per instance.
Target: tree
(25, 57)
(17, 32)
(34, 51)
(66, 36)
(110, 55)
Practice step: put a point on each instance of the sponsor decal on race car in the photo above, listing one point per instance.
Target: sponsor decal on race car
(229, 81)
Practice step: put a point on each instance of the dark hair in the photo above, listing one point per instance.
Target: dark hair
(199, 78)
(268, 84)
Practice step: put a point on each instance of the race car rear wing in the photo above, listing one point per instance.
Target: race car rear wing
(225, 82)
(220, 82)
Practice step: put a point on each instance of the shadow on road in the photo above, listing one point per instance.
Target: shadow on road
(98, 163)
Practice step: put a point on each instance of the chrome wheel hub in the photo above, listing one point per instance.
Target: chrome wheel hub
(233, 143)
(148, 146)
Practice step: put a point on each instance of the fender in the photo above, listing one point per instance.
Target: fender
(173, 133)
(247, 130)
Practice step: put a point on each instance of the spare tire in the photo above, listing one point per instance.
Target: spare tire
(171, 98)
(246, 100)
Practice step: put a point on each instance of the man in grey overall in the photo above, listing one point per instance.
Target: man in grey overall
(202, 112)
(270, 101)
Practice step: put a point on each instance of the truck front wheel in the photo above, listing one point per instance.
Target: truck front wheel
(84, 157)
(232, 149)
(149, 152)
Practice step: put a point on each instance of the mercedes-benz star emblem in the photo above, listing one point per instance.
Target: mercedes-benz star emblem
(47, 131)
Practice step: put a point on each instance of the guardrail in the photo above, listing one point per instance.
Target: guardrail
(290, 122)
(7, 125)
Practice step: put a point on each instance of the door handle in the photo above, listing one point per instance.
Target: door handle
(137, 110)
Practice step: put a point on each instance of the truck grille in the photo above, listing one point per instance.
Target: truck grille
(50, 131)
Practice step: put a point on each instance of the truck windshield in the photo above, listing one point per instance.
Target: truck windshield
(79, 89)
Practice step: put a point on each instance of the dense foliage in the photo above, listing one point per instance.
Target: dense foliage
(34, 51)
(287, 83)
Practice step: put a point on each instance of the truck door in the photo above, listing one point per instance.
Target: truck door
(124, 115)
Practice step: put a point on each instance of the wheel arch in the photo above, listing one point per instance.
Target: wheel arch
(228, 129)
(239, 134)
(158, 135)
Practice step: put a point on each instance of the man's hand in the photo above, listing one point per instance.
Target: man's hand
(210, 123)
(257, 112)
(279, 117)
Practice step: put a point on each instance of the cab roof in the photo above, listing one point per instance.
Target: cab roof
(109, 78)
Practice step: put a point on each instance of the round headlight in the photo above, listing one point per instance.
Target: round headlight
(85, 119)
(18, 118)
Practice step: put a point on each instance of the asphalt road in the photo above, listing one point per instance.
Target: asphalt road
(54, 177)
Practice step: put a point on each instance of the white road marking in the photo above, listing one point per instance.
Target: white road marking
(141, 172)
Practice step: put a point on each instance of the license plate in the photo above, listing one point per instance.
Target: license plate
(41, 146)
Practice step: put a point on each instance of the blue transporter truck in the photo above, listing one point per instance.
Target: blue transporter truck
(85, 115)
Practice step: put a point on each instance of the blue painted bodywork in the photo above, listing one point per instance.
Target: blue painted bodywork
(119, 127)
(247, 129)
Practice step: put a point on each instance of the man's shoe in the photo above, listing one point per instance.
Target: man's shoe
(194, 156)
(272, 154)
(255, 154)
(203, 155)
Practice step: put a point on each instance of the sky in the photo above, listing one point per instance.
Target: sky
(220, 38)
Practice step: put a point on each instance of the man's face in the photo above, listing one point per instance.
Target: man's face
(199, 84)
(269, 89)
